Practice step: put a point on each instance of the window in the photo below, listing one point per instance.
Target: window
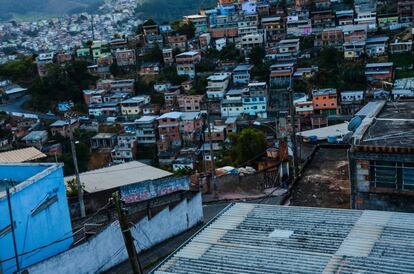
(48, 201)
(393, 175)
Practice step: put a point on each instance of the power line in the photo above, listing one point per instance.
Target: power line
(57, 241)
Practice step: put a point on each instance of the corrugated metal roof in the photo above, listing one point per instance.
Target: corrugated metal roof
(21, 155)
(248, 238)
(119, 175)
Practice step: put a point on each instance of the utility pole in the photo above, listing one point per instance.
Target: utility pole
(126, 233)
(213, 164)
(16, 255)
(293, 136)
(75, 163)
(93, 28)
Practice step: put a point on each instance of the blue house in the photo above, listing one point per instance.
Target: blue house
(40, 213)
(241, 74)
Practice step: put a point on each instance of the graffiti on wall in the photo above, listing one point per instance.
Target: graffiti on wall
(153, 188)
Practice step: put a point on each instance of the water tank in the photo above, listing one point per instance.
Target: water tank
(354, 123)
(332, 139)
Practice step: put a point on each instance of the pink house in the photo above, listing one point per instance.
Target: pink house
(191, 126)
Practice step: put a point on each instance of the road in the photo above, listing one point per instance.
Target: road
(16, 106)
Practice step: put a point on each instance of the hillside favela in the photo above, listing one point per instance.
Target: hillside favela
(196, 136)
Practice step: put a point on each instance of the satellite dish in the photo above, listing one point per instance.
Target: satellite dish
(354, 123)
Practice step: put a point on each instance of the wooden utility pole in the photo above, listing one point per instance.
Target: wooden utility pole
(126, 233)
(293, 136)
(213, 164)
(75, 163)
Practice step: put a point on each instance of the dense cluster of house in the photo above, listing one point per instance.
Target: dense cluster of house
(179, 127)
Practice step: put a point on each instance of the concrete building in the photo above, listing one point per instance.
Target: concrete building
(103, 141)
(199, 22)
(36, 138)
(62, 127)
(40, 214)
(167, 55)
(354, 50)
(186, 63)
(325, 101)
(125, 150)
(177, 42)
(381, 157)
(255, 106)
(241, 74)
(217, 85)
(146, 130)
(376, 46)
(406, 10)
(169, 131)
(43, 61)
(378, 73)
(189, 102)
(133, 106)
(332, 37)
(125, 57)
(237, 239)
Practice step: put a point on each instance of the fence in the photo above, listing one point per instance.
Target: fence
(107, 248)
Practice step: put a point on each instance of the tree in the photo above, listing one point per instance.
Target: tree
(187, 29)
(245, 146)
(154, 54)
(186, 171)
(256, 55)
(230, 52)
(306, 42)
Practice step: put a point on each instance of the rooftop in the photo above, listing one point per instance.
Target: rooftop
(388, 124)
(119, 175)
(21, 155)
(325, 91)
(170, 115)
(243, 68)
(146, 119)
(21, 175)
(251, 238)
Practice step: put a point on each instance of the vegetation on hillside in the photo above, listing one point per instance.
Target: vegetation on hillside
(13, 8)
(167, 10)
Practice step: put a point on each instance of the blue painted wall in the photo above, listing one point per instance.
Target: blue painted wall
(50, 224)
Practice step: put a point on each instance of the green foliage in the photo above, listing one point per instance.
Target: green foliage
(154, 54)
(185, 29)
(157, 98)
(186, 171)
(21, 70)
(256, 55)
(61, 84)
(169, 74)
(403, 60)
(167, 10)
(306, 42)
(200, 84)
(13, 8)
(206, 65)
(244, 147)
(261, 72)
(230, 53)
(143, 87)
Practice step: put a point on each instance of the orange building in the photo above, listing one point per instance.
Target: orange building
(325, 101)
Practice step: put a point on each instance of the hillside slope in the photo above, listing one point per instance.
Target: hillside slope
(11, 9)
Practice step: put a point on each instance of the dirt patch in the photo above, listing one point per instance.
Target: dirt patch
(325, 181)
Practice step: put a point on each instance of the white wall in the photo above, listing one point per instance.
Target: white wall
(107, 249)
